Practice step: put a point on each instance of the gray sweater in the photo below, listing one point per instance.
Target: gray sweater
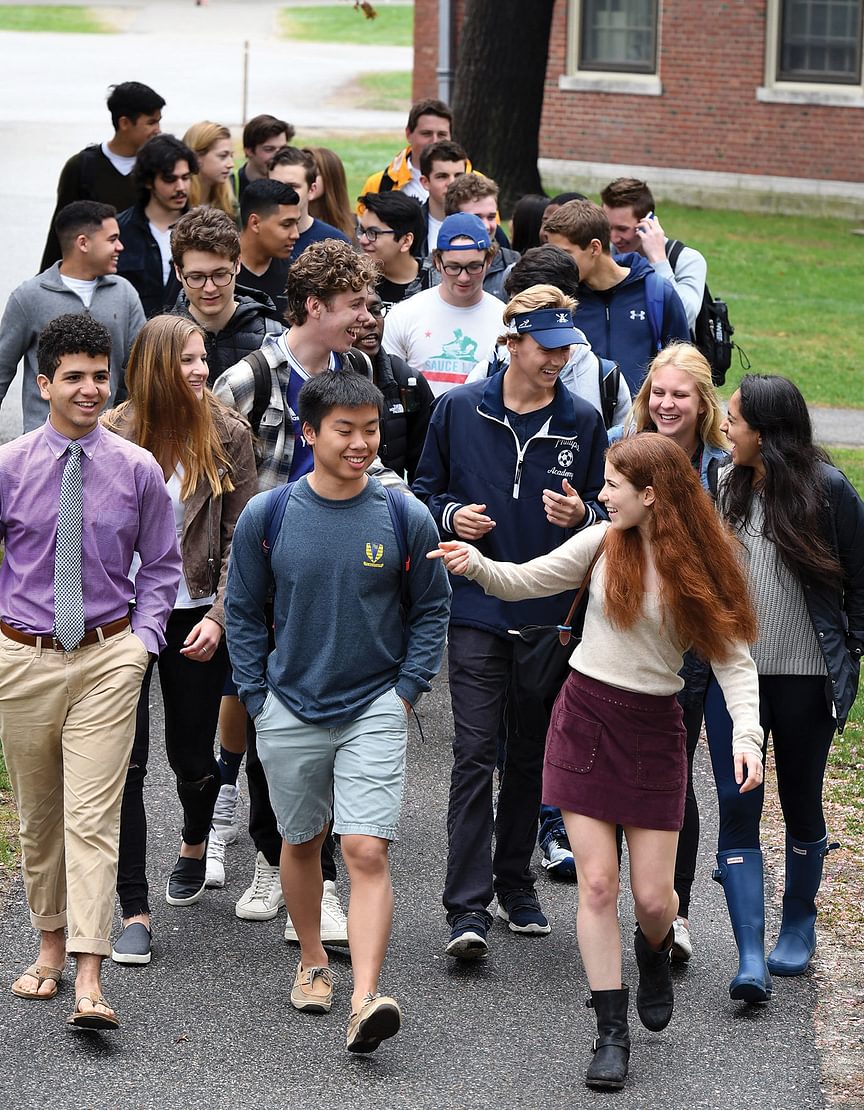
(41, 299)
(340, 641)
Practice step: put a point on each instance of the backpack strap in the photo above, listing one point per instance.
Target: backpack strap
(673, 252)
(655, 302)
(277, 500)
(261, 374)
(610, 382)
(358, 361)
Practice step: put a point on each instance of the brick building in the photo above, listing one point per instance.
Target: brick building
(757, 100)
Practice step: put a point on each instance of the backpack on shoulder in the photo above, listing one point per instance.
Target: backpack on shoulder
(712, 332)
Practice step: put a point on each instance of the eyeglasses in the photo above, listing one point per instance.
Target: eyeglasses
(372, 233)
(220, 279)
(453, 269)
(379, 311)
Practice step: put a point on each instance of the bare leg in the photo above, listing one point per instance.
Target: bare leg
(232, 724)
(596, 856)
(652, 878)
(88, 982)
(52, 953)
(370, 910)
(302, 885)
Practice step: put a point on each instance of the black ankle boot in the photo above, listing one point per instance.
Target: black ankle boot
(608, 1067)
(654, 997)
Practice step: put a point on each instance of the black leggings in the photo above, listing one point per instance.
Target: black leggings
(688, 838)
(796, 711)
(191, 692)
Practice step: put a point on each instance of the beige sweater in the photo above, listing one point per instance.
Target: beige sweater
(644, 658)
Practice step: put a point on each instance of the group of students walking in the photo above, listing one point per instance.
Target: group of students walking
(724, 559)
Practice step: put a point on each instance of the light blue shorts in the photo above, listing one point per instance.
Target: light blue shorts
(354, 772)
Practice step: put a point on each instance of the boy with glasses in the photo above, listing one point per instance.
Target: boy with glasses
(391, 230)
(205, 246)
(444, 331)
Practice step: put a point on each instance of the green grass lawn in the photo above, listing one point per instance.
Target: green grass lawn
(361, 154)
(794, 287)
(384, 92)
(393, 26)
(63, 19)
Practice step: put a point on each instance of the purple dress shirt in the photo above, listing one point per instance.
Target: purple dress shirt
(126, 509)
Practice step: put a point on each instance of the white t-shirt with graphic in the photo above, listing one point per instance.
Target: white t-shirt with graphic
(442, 341)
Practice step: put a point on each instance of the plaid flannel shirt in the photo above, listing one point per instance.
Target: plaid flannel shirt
(274, 448)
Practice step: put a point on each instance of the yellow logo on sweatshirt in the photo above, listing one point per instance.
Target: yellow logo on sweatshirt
(374, 555)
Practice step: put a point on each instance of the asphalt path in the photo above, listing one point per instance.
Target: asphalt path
(209, 1024)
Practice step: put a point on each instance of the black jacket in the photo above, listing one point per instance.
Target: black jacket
(254, 317)
(406, 413)
(140, 262)
(837, 611)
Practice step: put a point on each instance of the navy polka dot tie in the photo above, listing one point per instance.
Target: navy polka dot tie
(68, 588)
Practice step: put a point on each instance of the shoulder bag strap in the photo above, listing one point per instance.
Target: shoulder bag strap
(565, 629)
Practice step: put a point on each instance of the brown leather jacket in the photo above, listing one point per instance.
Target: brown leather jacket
(208, 523)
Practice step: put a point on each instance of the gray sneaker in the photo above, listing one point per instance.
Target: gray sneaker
(262, 900)
(133, 945)
(227, 812)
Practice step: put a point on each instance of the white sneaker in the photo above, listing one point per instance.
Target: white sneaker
(261, 901)
(682, 946)
(226, 813)
(215, 878)
(334, 924)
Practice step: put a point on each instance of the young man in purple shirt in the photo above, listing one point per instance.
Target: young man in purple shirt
(76, 635)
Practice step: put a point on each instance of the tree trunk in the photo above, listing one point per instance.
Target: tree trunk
(498, 98)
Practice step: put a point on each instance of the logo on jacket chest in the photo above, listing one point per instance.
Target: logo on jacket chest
(637, 314)
(567, 450)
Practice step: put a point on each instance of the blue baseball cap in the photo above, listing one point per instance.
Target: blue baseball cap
(459, 226)
(550, 327)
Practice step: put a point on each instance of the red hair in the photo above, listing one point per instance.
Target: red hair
(703, 589)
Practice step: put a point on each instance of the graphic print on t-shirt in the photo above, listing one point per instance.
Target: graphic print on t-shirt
(458, 356)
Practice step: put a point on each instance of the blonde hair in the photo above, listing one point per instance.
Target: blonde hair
(691, 361)
(167, 418)
(529, 300)
(200, 138)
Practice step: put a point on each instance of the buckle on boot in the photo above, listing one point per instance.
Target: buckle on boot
(594, 1045)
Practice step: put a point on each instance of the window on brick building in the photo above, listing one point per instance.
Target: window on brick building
(617, 36)
(820, 41)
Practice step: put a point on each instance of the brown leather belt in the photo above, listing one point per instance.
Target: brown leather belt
(91, 637)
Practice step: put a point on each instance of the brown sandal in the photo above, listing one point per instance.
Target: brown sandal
(92, 1019)
(42, 975)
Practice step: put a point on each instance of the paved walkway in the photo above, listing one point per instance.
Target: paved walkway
(208, 1025)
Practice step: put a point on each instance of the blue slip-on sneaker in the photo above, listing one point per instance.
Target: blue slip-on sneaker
(521, 910)
(468, 938)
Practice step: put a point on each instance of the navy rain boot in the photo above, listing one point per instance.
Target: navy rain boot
(739, 872)
(797, 940)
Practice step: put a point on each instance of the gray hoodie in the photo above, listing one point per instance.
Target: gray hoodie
(41, 299)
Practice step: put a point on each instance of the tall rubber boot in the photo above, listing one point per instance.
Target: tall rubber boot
(608, 1067)
(739, 872)
(797, 940)
(655, 998)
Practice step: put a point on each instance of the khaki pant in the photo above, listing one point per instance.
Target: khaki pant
(67, 720)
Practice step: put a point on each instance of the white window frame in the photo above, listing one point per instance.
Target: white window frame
(609, 81)
(778, 91)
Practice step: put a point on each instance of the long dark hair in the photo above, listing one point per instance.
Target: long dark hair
(793, 490)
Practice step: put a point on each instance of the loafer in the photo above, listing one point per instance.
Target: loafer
(378, 1018)
(313, 990)
(187, 881)
(133, 946)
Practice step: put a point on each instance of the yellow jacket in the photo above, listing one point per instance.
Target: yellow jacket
(398, 174)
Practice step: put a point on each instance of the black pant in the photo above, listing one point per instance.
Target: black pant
(796, 711)
(688, 838)
(191, 693)
(481, 673)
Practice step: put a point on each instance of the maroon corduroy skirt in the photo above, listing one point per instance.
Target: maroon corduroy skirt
(616, 755)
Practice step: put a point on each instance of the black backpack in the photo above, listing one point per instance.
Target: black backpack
(712, 332)
(356, 360)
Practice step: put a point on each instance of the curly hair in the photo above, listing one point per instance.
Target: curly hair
(706, 601)
(689, 360)
(325, 268)
(465, 188)
(76, 333)
(205, 229)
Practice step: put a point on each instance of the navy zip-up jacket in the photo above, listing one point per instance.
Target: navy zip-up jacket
(616, 321)
(473, 456)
